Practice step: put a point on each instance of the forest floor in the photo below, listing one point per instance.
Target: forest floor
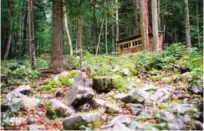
(144, 91)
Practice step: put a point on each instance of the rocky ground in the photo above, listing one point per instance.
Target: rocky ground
(86, 105)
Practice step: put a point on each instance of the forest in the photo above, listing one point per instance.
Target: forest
(102, 65)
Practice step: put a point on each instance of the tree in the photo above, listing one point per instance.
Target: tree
(144, 24)
(56, 63)
(187, 24)
(117, 23)
(105, 31)
(68, 33)
(155, 25)
(99, 36)
(10, 20)
(79, 33)
(31, 33)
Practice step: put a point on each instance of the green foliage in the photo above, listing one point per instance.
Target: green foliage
(120, 84)
(177, 50)
(73, 62)
(51, 113)
(157, 78)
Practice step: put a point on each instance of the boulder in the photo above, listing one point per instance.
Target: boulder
(15, 121)
(120, 127)
(125, 72)
(168, 116)
(104, 83)
(81, 79)
(79, 95)
(176, 124)
(136, 126)
(23, 89)
(181, 108)
(162, 94)
(73, 122)
(134, 108)
(29, 102)
(185, 119)
(120, 119)
(61, 108)
(197, 125)
(109, 106)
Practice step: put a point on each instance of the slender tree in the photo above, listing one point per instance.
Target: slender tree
(105, 31)
(57, 64)
(187, 24)
(99, 36)
(144, 24)
(10, 20)
(68, 32)
(155, 25)
(79, 26)
(117, 23)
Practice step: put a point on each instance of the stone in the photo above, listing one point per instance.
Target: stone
(111, 107)
(181, 108)
(133, 96)
(73, 122)
(23, 89)
(61, 108)
(14, 97)
(134, 108)
(176, 124)
(79, 95)
(197, 125)
(59, 92)
(197, 90)
(15, 121)
(29, 102)
(35, 127)
(136, 126)
(104, 83)
(162, 94)
(125, 72)
(168, 116)
(185, 119)
(81, 79)
(120, 119)
(121, 127)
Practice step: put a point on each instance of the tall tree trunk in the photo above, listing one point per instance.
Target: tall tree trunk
(117, 23)
(113, 35)
(144, 24)
(94, 28)
(10, 19)
(105, 32)
(79, 24)
(159, 19)
(99, 36)
(197, 21)
(57, 64)
(68, 33)
(136, 18)
(70, 17)
(155, 25)
(187, 24)
(31, 33)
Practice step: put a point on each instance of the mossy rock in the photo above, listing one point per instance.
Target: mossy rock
(104, 83)
(157, 78)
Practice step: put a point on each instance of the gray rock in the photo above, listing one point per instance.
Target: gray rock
(176, 124)
(14, 97)
(126, 72)
(120, 127)
(23, 89)
(81, 79)
(168, 116)
(137, 95)
(29, 102)
(162, 94)
(59, 92)
(79, 95)
(73, 122)
(35, 127)
(135, 108)
(197, 125)
(136, 126)
(181, 108)
(109, 106)
(185, 118)
(61, 108)
(120, 119)
(15, 121)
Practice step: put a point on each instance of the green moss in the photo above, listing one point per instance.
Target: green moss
(120, 84)
(131, 67)
(73, 74)
(96, 124)
(64, 80)
(157, 78)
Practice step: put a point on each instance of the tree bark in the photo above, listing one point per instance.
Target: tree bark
(94, 33)
(113, 36)
(99, 36)
(79, 35)
(159, 19)
(68, 33)
(31, 33)
(117, 23)
(155, 26)
(187, 24)
(106, 28)
(57, 64)
(144, 24)
(10, 19)
(136, 18)
(197, 21)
